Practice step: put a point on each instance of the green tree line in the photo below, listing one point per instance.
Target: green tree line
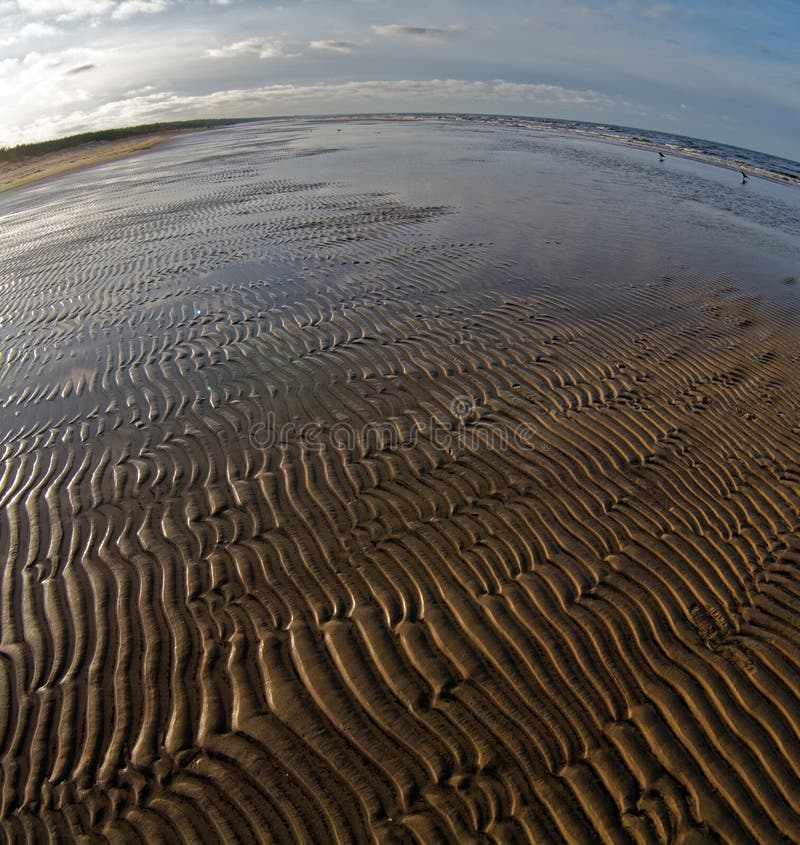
(38, 148)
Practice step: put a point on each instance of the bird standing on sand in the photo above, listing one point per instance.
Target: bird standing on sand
(744, 176)
(661, 156)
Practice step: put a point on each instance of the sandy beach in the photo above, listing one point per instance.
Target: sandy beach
(41, 167)
(388, 483)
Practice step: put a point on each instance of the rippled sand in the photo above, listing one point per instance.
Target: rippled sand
(399, 484)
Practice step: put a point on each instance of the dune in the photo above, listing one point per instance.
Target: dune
(325, 520)
(42, 167)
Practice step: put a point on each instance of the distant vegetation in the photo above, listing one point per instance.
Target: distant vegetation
(39, 148)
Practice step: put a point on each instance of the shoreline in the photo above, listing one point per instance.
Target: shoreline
(39, 168)
(668, 150)
(714, 161)
(608, 138)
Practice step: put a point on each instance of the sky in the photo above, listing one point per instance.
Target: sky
(716, 69)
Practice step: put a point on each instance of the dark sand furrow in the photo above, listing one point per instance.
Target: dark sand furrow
(572, 540)
(776, 521)
(304, 598)
(100, 589)
(780, 633)
(666, 817)
(578, 515)
(80, 641)
(173, 716)
(414, 751)
(674, 573)
(37, 635)
(301, 734)
(581, 650)
(309, 659)
(594, 799)
(442, 737)
(567, 657)
(714, 578)
(665, 729)
(774, 673)
(497, 741)
(567, 698)
(393, 588)
(126, 658)
(707, 734)
(276, 770)
(772, 598)
(717, 680)
(510, 683)
(686, 509)
(168, 816)
(207, 784)
(291, 815)
(316, 556)
(180, 813)
(56, 497)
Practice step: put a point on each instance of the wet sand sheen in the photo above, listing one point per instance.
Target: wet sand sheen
(322, 525)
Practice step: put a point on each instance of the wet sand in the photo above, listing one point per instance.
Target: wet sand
(418, 487)
(669, 146)
(41, 167)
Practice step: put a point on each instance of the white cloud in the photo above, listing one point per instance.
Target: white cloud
(658, 11)
(333, 46)
(64, 10)
(372, 95)
(31, 30)
(129, 8)
(56, 78)
(71, 10)
(276, 50)
(666, 11)
(543, 94)
(138, 92)
(252, 47)
(420, 33)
